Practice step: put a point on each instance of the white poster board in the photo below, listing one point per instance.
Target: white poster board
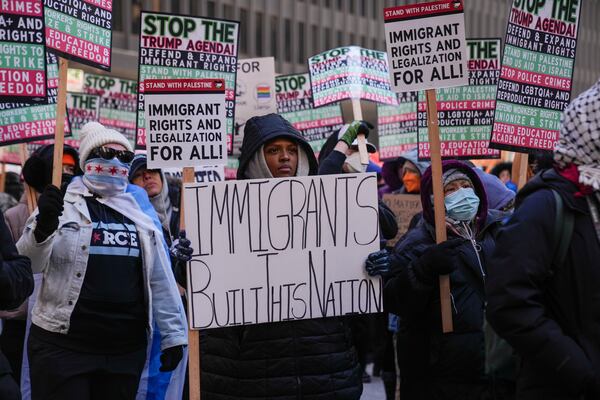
(185, 122)
(254, 94)
(426, 45)
(203, 174)
(281, 249)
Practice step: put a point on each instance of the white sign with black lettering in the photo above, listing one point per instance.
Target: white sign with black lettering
(254, 94)
(283, 249)
(185, 122)
(426, 45)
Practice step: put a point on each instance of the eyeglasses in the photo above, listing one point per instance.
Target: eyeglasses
(107, 153)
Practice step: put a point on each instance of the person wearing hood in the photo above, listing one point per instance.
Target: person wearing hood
(434, 365)
(403, 175)
(106, 279)
(165, 196)
(37, 173)
(307, 359)
(543, 285)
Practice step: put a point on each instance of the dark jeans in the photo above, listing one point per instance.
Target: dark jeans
(61, 374)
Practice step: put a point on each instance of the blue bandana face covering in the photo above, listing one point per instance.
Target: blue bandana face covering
(462, 205)
(106, 177)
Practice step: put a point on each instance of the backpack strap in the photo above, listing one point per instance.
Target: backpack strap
(564, 222)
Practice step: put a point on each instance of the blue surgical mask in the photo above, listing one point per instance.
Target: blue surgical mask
(462, 205)
(106, 177)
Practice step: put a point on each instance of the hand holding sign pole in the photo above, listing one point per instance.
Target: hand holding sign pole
(362, 141)
(427, 49)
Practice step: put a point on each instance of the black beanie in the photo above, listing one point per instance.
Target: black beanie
(37, 170)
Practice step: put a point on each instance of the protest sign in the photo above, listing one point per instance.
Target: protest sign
(177, 46)
(75, 80)
(11, 154)
(466, 113)
(118, 102)
(281, 249)
(21, 123)
(350, 72)
(536, 77)
(294, 103)
(405, 207)
(22, 52)
(80, 30)
(203, 174)
(397, 126)
(185, 122)
(426, 45)
(255, 94)
(82, 108)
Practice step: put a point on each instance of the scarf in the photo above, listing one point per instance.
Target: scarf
(106, 178)
(579, 142)
(162, 204)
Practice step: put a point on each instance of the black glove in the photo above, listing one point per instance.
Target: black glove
(50, 206)
(181, 253)
(180, 249)
(170, 357)
(440, 259)
(379, 263)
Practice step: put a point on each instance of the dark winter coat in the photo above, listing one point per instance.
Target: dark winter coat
(434, 365)
(549, 314)
(16, 279)
(310, 359)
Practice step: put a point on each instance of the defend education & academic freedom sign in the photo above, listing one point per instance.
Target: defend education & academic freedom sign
(80, 30)
(22, 52)
(350, 72)
(536, 77)
(466, 113)
(271, 250)
(184, 47)
(426, 45)
(185, 121)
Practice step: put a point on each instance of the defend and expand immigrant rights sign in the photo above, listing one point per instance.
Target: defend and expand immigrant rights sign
(82, 108)
(185, 122)
(281, 249)
(184, 47)
(118, 102)
(294, 103)
(466, 113)
(350, 72)
(22, 52)
(255, 94)
(426, 45)
(397, 126)
(80, 30)
(21, 122)
(536, 78)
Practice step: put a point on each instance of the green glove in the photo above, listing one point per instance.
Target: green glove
(350, 131)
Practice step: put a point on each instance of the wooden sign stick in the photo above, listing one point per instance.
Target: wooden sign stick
(362, 141)
(193, 335)
(433, 131)
(520, 168)
(59, 134)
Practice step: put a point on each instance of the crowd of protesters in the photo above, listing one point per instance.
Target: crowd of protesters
(108, 258)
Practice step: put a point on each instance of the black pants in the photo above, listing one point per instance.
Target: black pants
(9, 390)
(61, 374)
(11, 342)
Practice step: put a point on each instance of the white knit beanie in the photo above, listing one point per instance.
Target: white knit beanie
(94, 134)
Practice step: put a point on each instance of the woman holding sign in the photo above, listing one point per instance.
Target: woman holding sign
(434, 365)
(309, 359)
(107, 277)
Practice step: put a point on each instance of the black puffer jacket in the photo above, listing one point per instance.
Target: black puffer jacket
(310, 359)
(16, 279)
(434, 365)
(549, 314)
